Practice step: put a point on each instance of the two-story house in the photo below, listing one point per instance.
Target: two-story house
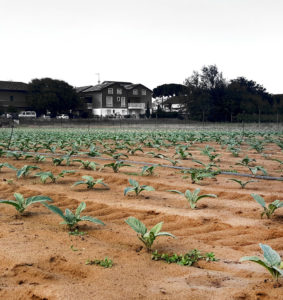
(116, 98)
(13, 96)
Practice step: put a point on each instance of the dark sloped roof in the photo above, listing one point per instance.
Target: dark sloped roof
(98, 87)
(106, 84)
(82, 88)
(13, 86)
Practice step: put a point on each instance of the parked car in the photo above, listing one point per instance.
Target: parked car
(63, 116)
(27, 114)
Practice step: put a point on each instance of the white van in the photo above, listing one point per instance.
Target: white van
(27, 114)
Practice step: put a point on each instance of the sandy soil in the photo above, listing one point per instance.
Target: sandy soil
(37, 261)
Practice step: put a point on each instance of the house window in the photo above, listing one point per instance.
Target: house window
(143, 92)
(110, 91)
(119, 91)
(88, 99)
(135, 92)
(109, 101)
(123, 101)
(118, 99)
(11, 98)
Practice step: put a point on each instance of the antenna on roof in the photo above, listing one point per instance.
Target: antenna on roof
(98, 77)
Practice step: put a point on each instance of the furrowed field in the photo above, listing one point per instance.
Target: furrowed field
(215, 193)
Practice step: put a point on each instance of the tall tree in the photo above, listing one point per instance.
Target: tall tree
(168, 90)
(207, 92)
(253, 97)
(52, 95)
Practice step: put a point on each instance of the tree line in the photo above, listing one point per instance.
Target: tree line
(207, 96)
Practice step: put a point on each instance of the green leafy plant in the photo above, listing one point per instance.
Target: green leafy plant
(57, 161)
(246, 161)
(45, 175)
(21, 203)
(90, 182)
(39, 158)
(199, 174)
(137, 188)
(147, 237)
(25, 170)
(70, 219)
(87, 165)
(187, 259)
(267, 210)
(255, 169)
(193, 197)
(116, 165)
(242, 183)
(7, 166)
(106, 262)
(148, 170)
(16, 155)
(272, 261)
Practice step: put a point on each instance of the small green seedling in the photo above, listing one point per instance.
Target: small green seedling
(270, 209)
(87, 165)
(70, 219)
(137, 188)
(21, 203)
(7, 166)
(25, 170)
(187, 259)
(57, 161)
(148, 170)
(255, 169)
(45, 175)
(242, 183)
(106, 262)
(39, 158)
(246, 161)
(193, 197)
(116, 166)
(90, 182)
(272, 261)
(147, 237)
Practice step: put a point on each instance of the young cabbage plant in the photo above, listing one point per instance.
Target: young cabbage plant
(87, 165)
(39, 158)
(272, 261)
(148, 170)
(132, 151)
(25, 170)
(193, 197)
(57, 161)
(255, 169)
(116, 166)
(7, 166)
(246, 161)
(270, 209)
(45, 175)
(21, 203)
(90, 182)
(137, 188)
(16, 155)
(147, 237)
(70, 219)
(242, 183)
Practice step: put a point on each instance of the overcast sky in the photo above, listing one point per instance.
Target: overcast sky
(143, 41)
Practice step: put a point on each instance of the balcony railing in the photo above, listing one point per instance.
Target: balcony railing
(136, 105)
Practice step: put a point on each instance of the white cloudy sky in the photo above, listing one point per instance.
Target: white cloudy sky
(147, 41)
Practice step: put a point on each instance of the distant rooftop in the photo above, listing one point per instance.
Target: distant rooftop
(13, 86)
